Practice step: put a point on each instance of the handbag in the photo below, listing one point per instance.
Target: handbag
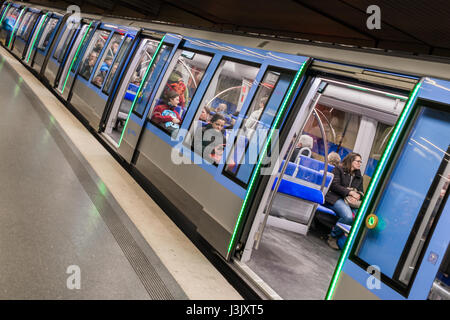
(353, 202)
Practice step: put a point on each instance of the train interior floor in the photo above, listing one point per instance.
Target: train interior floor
(73, 223)
(295, 266)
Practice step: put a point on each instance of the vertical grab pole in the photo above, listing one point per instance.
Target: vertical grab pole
(277, 185)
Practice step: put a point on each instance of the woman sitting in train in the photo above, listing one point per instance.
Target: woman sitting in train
(165, 114)
(344, 194)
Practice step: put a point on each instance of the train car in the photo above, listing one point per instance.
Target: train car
(9, 21)
(275, 111)
(47, 31)
(399, 245)
(24, 31)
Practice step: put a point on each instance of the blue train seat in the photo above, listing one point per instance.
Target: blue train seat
(297, 197)
(300, 191)
(290, 170)
(314, 164)
(324, 209)
(312, 176)
(131, 92)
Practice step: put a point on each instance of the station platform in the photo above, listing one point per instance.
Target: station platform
(73, 223)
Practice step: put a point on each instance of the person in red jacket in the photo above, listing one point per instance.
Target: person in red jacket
(165, 114)
(176, 84)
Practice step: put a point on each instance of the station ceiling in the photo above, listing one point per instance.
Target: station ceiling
(419, 27)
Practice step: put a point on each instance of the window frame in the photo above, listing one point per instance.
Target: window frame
(170, 46)
(124, 58)
(52, 33)
(226, 173)
(196, 115)
(165, 78)
(111, 32)
(100, 57)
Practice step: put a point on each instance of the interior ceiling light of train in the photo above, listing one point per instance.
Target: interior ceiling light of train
(417, 27)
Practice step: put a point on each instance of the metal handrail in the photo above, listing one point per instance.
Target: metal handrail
(277, 185)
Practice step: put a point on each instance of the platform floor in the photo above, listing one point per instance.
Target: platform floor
(67, 206)
(304, 264)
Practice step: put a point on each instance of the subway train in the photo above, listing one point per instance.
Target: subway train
(235, 131)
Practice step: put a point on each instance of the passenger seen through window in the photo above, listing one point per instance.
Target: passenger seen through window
(225, 96)
(165, 114)
(107, 59)
(183, 77)
(92, 54)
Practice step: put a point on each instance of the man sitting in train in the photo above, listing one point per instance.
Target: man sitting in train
(165, 114)
(303, 148)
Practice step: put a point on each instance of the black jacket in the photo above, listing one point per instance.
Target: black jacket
(341, 182)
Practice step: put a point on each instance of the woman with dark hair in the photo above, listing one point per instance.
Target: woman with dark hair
(346, 187)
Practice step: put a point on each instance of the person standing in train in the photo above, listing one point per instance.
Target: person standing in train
(345, 194)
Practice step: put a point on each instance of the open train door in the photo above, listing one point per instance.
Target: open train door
(126, 116)
(398, 246)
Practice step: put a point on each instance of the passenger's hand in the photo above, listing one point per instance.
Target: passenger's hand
(176, 121)
(355, 195)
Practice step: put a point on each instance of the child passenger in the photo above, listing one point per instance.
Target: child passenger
(165, 114)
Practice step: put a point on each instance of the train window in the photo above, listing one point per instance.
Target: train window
(411, 199)
(257, 123)
(122, 51)
(341, 129)
(82, 50)
(29, 27)
(182, 79)
(219, 108)
(63, 44)
(152, 77)
(23, 24)
(107, 60)
(92, 53)
(382, 136)
(11, 19)
(47, 33)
